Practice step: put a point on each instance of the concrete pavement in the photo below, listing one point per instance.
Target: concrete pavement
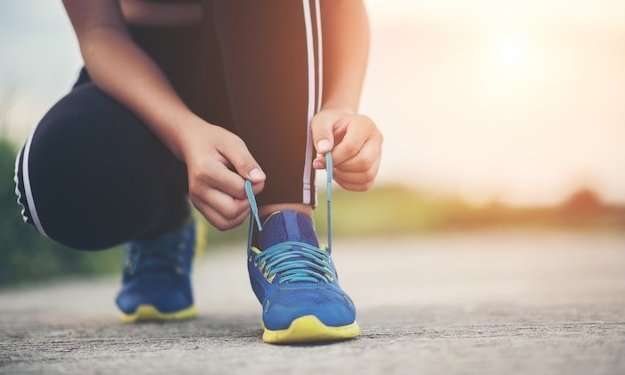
(486, 303)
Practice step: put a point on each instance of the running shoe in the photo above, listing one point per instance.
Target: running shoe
(156, 282)
(295, 280)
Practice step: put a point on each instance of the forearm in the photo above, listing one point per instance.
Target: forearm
(120, 68)
(125, 72)
(346, 49)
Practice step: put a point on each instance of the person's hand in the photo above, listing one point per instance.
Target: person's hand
(215, 190)
(355, 143)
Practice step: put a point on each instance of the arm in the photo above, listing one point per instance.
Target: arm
(353, 139)
(345, 52)
(121, 69)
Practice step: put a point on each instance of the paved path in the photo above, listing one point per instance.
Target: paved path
(478, 304)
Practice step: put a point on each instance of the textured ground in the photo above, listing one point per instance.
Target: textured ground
(480, 303)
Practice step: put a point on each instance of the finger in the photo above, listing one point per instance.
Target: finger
(220, 177)
(217, 220)
(355, 137)
(227, 207)
(319, 162)
(368, 155)
(257, 188)
(339, 132)
(362, 177)
(369, 152)
(356, 187)
(234, 149)
(321, 127)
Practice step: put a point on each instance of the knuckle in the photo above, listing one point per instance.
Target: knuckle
(246, 162)
(370, 175)
(239, 193)
(347, 186)
(238, 141)
(350, 148)
(220, 225)
(194, 192)
(365, 161)
(230, 212)
(193, 179)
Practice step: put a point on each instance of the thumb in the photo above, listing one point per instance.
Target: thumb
(239, 156)
(322, 126)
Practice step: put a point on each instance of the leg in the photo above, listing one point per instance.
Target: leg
(271, 54)
(92, 175)
(270, 58)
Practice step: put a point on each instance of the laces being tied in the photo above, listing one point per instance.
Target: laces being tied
(294, 261)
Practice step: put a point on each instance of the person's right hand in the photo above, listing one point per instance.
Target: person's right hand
(217, 191)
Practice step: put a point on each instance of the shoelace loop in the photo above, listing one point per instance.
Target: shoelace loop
(294, 261)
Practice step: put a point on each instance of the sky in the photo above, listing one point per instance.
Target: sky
(516, 101)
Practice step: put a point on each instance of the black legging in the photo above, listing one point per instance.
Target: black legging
(93, 175)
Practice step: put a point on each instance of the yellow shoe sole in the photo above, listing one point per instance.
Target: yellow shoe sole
(309, 329)
(151, 313)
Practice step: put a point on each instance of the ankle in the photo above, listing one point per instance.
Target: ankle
(268, 209)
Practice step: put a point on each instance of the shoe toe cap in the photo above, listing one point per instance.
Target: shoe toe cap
(332, 308)
(164, 297)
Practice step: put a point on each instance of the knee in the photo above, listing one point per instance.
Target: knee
(47, 173)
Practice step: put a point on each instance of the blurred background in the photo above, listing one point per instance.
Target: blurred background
(497, 116)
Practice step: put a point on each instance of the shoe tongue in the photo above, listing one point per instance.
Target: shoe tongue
(287, 226)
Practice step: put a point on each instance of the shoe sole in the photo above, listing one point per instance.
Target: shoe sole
(309, 329)
(151, 313)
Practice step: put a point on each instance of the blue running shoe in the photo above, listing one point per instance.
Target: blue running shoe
(156, 284)
(295, 280)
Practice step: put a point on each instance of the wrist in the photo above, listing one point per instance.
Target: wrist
(337, 109)
(183, 133)
(339, 105)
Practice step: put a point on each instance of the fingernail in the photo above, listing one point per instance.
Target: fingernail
(256, 174)
(323, 145)
(317, 165)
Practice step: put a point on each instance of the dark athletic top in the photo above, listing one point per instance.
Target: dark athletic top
(174, 1)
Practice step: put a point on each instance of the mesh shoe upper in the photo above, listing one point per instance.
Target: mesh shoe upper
(157, 272)
(298, 279)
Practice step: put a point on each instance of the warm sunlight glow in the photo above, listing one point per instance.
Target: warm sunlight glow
(519, 101)
(511, 100)
(512, 53)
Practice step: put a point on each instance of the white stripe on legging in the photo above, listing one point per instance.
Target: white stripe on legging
(319, 64)
(319, 57)
(310, 52)
(27, 188)
(17, 186)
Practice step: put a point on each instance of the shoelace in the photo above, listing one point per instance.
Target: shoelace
(295, 261)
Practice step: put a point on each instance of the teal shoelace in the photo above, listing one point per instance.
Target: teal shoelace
(294, 261)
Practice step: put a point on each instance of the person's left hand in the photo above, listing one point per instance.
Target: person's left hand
(355, 143)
